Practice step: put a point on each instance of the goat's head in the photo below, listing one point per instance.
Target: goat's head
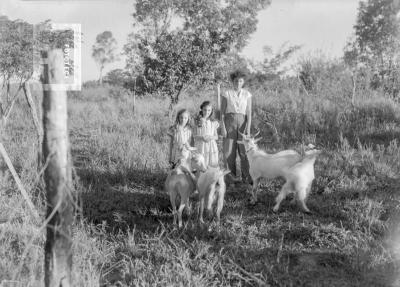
(195, 159)
(198, 162)
(186, 151)
(249, 142)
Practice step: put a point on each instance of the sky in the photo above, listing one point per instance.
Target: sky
(317, 25)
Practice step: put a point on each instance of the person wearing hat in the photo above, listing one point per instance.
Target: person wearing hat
(235, 119)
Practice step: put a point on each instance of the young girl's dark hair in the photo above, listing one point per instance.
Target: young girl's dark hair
(204, 104)
(180, 112)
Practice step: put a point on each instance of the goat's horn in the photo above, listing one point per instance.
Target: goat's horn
(257, 139)
(257, 133)
(243, 135)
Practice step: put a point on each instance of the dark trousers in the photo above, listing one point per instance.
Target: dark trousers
(235, 123)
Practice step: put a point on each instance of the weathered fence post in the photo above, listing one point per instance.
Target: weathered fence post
(58, 249)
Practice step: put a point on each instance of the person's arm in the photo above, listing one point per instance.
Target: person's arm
(248, 114)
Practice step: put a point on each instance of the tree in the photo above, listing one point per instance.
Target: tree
(16, 60)
(19, 59)
(116, 77)
(104, 51)
(376, 41)
(178, 43)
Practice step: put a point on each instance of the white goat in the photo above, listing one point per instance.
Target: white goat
(211, 187)
(264, 165)
(289, 164)
(181, 181)
(299, 179)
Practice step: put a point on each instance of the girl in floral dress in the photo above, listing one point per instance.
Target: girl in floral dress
(180, 134)
(206, 134)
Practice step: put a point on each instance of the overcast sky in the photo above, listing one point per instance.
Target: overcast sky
(315, 24)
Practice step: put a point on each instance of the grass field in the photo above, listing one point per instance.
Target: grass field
(123, 234)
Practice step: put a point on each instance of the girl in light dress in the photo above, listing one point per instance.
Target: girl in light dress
(180, 134)
(206, 134)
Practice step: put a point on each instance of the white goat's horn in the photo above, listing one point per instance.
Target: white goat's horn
(257, 133)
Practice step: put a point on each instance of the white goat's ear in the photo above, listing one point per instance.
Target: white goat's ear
(192, 148)
(240, 142)
(257, 140)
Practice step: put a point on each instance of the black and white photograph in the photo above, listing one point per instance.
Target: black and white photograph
(199, 143)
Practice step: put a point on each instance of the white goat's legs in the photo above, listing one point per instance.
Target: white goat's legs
(180, 210)
(189, 207)
(302, 196)
(210, 197)
(281, 196)
(201, 210)
(253, 199)
(173, 203)
(184, 201)
(220, 205)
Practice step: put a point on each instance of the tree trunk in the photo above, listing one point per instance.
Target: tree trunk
(101, 76)
(58, 180)
(171, 111)
(35, 117)
(175, 98)
(174, 101)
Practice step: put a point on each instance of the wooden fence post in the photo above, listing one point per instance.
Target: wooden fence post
(59, 218)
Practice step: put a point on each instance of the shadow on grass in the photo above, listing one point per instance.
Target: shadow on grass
(124, 200)
(295, 268)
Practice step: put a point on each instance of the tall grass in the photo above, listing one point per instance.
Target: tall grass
(123, 234)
